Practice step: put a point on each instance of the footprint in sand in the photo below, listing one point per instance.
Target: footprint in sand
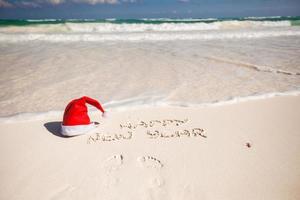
(154, 183)
(149, 162)
(111, 165)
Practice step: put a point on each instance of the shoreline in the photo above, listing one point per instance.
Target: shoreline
(117, 106)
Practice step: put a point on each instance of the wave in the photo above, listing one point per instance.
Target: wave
(135, 37)
(180, 20)
(95, 27)
(108, 27)
(146, 102)
(266, 18)
(155, 20)
(170, 27)
(41, 20)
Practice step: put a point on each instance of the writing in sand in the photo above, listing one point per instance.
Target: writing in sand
(153, 129)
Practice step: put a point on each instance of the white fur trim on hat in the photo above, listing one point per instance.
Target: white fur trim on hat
(77, 129)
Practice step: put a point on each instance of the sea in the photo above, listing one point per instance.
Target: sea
(129, 63)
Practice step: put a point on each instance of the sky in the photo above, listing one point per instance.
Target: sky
(99, 9)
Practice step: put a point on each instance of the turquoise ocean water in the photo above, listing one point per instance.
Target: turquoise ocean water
(295, 20)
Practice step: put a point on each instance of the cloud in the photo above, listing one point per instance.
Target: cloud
(40, 3)
(5, 4)
(26, 4)
(56, 1)
(93, 2)
(184, 1)
(130, 1)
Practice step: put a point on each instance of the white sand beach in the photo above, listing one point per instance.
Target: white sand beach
(248, 150)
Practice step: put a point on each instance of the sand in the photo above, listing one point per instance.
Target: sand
(248, 150)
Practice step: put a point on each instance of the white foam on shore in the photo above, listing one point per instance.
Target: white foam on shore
(136, 37)
(235, 100)
(140, 27)
(144, 102)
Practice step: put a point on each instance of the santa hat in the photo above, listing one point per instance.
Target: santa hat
(76, 120)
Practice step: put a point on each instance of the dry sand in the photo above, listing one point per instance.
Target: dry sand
(248, 150)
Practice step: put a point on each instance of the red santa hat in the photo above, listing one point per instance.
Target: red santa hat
(76, 120)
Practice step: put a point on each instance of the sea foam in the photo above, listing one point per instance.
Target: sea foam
(85, 37)
(92, 27)
(144, 102)
(146, 29)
